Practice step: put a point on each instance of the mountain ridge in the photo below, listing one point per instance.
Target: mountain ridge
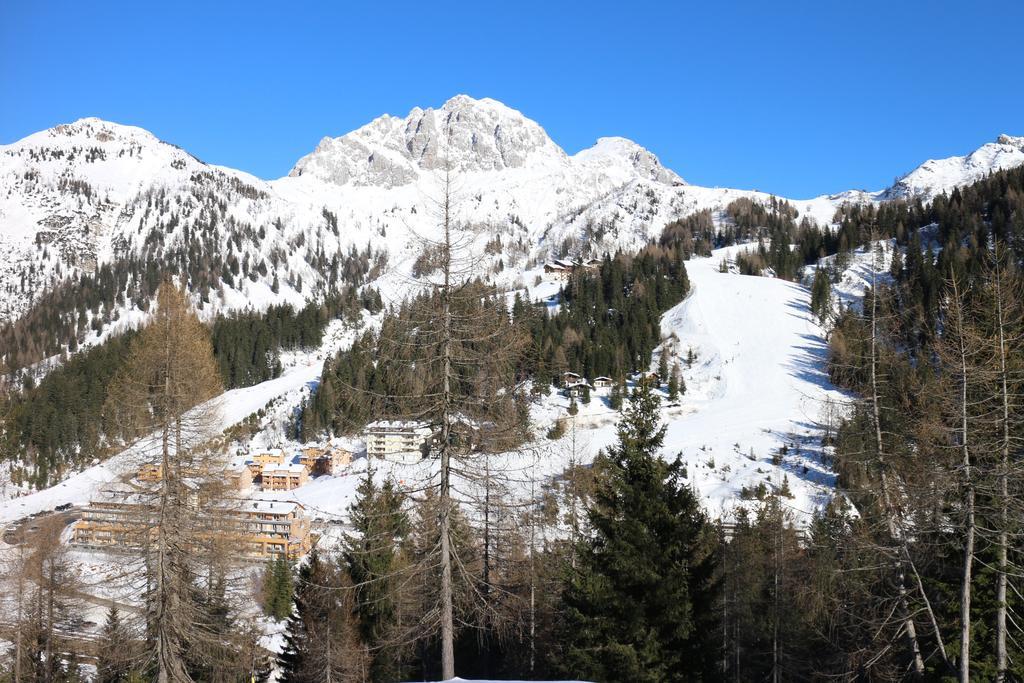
(1008, 145)
(81, 196)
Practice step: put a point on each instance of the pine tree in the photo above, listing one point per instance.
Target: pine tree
(320, 642)
(375, 557)
(278, 588)
(640, 603)
(821, 296)
(425, 535)
(765, 626)
(615, 399)
(293, 655)
(113, 661)
(676, 385)
(158, 399)
(284, 588)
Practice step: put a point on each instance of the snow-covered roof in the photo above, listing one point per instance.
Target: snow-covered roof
(395, 425)
(275, 506)
(283, 469)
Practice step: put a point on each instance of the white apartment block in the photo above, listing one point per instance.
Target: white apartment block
(396, 440)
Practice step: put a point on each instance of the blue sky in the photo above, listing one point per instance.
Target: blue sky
(796, 98)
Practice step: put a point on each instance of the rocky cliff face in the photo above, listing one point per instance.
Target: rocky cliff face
(474, 135)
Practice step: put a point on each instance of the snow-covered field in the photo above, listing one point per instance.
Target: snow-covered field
(758, 385)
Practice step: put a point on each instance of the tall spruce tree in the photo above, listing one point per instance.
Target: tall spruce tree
(639, 605)
(277, 588)
(375, 557)
(676, 385)
(321, 643)
(821, 295)
(113, 660)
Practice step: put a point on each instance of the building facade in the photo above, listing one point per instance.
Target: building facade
(333, 461)
(397, 440)
(257, 529)
(283, 477)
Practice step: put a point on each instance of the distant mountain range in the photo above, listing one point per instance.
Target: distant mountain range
(81, 195)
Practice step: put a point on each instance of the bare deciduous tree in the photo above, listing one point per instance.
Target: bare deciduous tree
(162, 400)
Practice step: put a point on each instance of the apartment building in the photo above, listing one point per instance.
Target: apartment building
(397, 440)
(283, 477)
(125, 519)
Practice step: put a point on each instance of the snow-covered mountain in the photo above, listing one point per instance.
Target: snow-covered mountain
(936, 176)
(77, 197)
(474, 135)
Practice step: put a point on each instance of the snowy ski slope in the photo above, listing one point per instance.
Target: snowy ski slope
(759, 383)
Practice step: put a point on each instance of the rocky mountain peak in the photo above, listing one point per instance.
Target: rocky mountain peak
(474, 134)
(1012, 140)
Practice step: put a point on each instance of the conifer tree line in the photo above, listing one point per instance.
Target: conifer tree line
(58, 425)
(608, 323)
(791, 243)
(247, 345)
(776, 223)
(933, 453)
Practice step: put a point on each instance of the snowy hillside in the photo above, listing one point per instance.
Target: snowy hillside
(78, 196)
(756, 403)
(92, 193)
(759, 391)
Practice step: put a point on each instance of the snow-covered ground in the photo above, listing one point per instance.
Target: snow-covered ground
(757, 395)
(758, 385)
(235, 406)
